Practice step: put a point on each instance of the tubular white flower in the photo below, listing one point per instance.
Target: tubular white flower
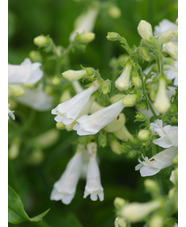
(36, 98)
(68, 111)
(162, 102)
(172, 73)
(65, 188)
(135, 212)
(10, 112)
(93, 184)
(168, 134)
(163, 159)
(90, 125)
(85, 22)
(123, 81)
(27, 72)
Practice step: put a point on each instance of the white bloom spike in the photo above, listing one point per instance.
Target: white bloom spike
(168, 134)
(68, 111)
(10, 112)
(93, 184)
(65, 188)
(162, 102)
(27, 72)
(85, 22)
(163, 159)
(90, 125)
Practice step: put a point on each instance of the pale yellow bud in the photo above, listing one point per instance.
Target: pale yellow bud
(42, 40)
(60, 125)
(119, 202)
(114, 12)
(116, 146)
(145, 30)
(85, 37)
(135, 212)
(15, 90)
(129, 100)
(74, 74)
(156, 221)
(123, 81)
(172, 49)
(165, 37)
(56, 80)
(162, 102)
(143, 134)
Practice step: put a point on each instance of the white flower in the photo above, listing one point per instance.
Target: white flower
(123, 81)
(27, 72)
(90, 125)
(164, 27)
(84, 23)
(36, 98)
(135, 212)
(68, 111)
(65, 188)
(10, 112)
(172, 73)
(168, 134)
(163, 159)
(162, 102)
(93, 184)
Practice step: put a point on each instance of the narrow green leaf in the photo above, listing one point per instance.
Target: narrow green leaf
(16, 212)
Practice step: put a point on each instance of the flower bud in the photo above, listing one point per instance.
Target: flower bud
(15, 90)
(151, 186)
(123, 134)
(60, 125)
(42, 40)
(36, 157)
(135, 212)
(74, 74)
(123, 81)
(119, 203)
(47, 138)
(172, 49)
(143, 134)
(165, 37)
(120, 222)
(112, 36)
(56, 80)
(162, 102)
(140, 117)
(114, 12)
(35, 56)
(132, 154)
(156, 221)
(85, 37)
(145, 54)
(145, 30)
(13, 151)
(175, 160)
(102, 139)
(106, 87)
(129, 100)
(141, 105)
(115, 146)
(135, 78)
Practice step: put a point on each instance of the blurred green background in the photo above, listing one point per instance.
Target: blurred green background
(33, 182)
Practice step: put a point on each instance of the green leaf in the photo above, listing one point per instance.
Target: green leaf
(16, 212)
